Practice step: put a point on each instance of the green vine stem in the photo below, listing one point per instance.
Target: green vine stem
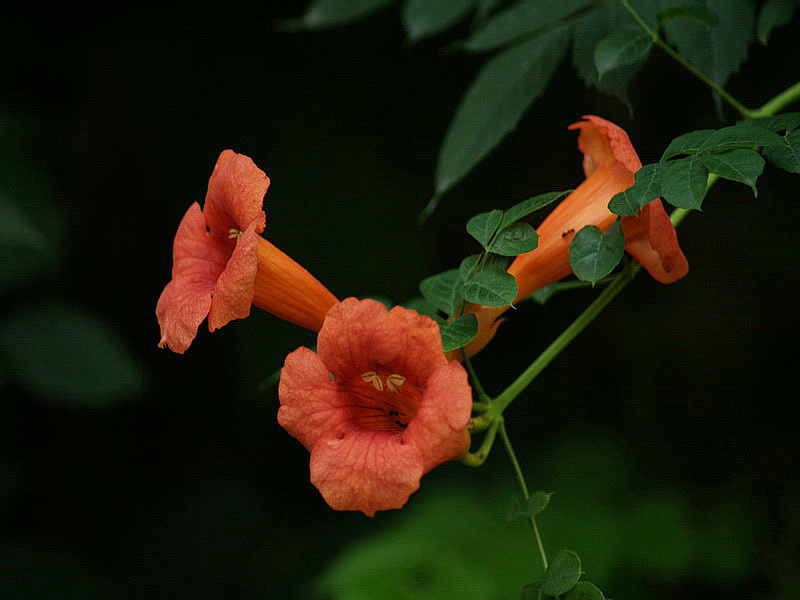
(476, 459)
(523, 486)
(778, 103)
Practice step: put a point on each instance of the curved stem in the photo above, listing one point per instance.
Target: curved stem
(523, 486)
(778, 103)
(483, 397)
(476, 459)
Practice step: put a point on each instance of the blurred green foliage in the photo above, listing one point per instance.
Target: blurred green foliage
(452, 540)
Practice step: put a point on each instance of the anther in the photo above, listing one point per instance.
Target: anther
(373, 378)
(394, 381)
(234, 233)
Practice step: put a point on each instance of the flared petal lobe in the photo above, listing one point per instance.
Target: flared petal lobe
(649, 236)
(358, 335)
(366, 470)
(235, 195)
(186, 300)
(377, 408)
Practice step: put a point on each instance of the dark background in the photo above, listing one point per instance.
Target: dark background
(674, 412)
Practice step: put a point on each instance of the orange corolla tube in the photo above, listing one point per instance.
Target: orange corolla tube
(221, 265)
(285, 289)
(609, 163)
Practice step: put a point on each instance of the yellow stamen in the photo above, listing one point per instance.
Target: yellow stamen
(234, 233)
(373, 378)
(394, 382)
(388, 405)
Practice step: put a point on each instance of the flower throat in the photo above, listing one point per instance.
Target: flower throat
(383, 401)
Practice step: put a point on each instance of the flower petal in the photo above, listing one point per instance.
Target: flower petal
(234, 290)
(652, 240)
(235, 195)
(649, 236)
(366, 471)
(361, 335)
(186, 300)
(603, 142)
(308, 399)
(438, 428)
(181, 308)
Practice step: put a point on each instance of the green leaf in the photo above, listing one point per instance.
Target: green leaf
(646, 189)
(562, 574)
(537, 503)
(458, 333)
(443, 290)
(774, 14)
(779, 123)
(420, 304)
(593, 253)
(515, 239)
(738, 136)
(483, 226)
(787, 157)
(519, 19)
(491, 287)
(688, 143)
(322, 14)
(466, 266)
(531, 205)
(495, 102)
(624, 46)
(67, 354)
(595, 26)
(718, 52)
(490, 261)
(684, 181)
(424, 18)
(697, 13)
(584, 590)
(739, 164)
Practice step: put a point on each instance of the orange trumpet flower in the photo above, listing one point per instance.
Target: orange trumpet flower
(609, 162)
(221, 265)
(377, 406)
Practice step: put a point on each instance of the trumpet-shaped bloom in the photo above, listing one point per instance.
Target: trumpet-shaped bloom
(378, 405)
(609, 163)
(221, 265)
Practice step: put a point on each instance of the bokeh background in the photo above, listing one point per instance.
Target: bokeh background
(667, 430)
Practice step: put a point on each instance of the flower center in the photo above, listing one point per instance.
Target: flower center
(383, 401)
(234, 234)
